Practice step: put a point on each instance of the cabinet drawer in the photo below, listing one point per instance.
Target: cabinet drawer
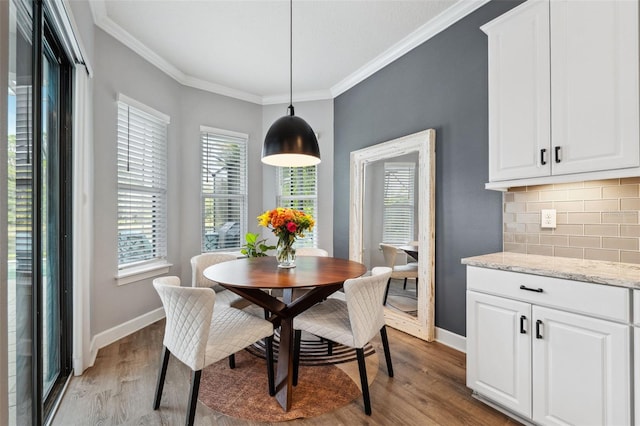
(597, 300)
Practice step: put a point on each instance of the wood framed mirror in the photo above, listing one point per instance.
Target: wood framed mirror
(367, 212)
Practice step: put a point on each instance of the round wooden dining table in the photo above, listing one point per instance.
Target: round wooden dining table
(249, 277)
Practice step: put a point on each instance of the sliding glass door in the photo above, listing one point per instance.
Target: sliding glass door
(20, 206)
(39, 210)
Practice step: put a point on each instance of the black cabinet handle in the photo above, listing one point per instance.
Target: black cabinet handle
(537, 290)
(542, 156)
(538, 334)
(522, 320)
(558, 158)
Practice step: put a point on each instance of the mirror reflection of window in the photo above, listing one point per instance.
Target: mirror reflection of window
(399, 202)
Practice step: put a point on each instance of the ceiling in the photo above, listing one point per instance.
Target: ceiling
(241, 48)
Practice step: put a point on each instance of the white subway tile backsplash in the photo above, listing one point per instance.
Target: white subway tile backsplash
(595, 220)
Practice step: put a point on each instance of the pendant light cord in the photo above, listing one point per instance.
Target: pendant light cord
(291, 57)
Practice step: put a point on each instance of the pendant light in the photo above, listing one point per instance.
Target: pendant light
(290, 141)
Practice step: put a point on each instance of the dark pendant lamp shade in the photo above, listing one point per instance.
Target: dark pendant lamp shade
(290, 142)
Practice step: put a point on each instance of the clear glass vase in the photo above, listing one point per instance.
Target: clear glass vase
(286, 255)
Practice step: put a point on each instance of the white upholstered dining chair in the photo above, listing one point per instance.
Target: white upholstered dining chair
(352, 322)
(225, 297)
(410, 270)
(198, 334)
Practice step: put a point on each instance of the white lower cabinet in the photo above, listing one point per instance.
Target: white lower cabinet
(498, 352)
(636, 363)
(581, 370)
(636, 354)
(547, 365)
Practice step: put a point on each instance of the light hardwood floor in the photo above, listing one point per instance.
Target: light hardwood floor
(428, 389)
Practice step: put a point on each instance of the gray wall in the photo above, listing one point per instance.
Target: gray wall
(441, 84)
(120, 70)
(208, 109)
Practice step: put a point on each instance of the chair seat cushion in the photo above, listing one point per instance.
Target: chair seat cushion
(233, 330)
(329, 319)
(410, 270)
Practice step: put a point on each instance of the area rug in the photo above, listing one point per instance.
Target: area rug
(313, 350)
(242, 392)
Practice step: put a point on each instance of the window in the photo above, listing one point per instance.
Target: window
(298, 189)
(399, 205)
(224, 188)
(142, 184)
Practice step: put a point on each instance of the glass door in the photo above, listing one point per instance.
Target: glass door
(39, 215)
(20, 204)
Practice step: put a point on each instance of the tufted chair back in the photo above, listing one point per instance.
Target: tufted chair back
(364, 297)
(189, 311)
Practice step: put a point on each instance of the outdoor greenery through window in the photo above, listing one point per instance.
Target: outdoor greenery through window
(142, 184)
(224, 189)
(298, 189)
(399, 202)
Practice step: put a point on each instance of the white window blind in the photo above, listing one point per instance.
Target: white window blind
(298, 189)
(399, 205)
(142, 185)
(224, 189)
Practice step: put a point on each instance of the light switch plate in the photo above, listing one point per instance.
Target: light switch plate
(547, 218)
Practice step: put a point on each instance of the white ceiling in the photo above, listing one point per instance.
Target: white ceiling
(241, 48)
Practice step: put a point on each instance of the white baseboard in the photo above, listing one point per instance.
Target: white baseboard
(111, 335)
(451, 339)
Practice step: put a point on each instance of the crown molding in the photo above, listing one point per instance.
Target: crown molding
(100, 18)
(219, 89)
(313, 95)
(436, 25)
(116, 31)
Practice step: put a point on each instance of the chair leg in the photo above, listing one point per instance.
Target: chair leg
(386, 293)
(416, 286)
(297, 336)
(404, 286)
(387, 353)
(232, 361)
(329, 347)
(193, 397)
(363, 380)
(161, 376)
(268, 343)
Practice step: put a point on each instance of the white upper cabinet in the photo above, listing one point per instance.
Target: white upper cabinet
(594, 85)
(563, 89)
(519, 100)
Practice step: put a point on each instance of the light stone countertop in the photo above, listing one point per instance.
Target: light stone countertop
(593, 271)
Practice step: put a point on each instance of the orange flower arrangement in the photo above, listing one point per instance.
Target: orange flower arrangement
(287, 225)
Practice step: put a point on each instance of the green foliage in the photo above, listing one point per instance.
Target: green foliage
(255, 247)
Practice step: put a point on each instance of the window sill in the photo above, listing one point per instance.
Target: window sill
(143, 272)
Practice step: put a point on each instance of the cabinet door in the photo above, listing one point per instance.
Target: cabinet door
(636, 370)
(519, 99)
(581, 370)
(594, 85)
(499, 351)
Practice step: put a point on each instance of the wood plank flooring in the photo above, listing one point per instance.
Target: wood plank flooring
(428, 389)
